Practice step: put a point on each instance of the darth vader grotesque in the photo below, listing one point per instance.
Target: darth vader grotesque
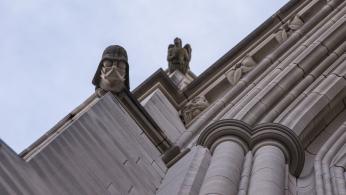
(113, 71)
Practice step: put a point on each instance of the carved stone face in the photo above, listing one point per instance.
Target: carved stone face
(118, 65)
(177, 42)
(113, 74)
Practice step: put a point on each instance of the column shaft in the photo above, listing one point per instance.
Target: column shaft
(268, 172)
(223, 174)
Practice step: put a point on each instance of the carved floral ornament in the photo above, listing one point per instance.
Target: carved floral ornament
(240, 69)
(287, 29)
(193, 108)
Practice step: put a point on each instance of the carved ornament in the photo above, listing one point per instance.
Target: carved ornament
(193, 108)
(287, 29)
(179, 57)
(113, 71)
(240, 69)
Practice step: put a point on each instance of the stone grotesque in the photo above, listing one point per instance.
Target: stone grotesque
(288, 28)
(193, 108)
(113, 71)
(178, 57)
(240, 69)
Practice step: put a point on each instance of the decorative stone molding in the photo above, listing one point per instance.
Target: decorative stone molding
(288, 29)
(224, 128)
(193, 108)
(330, 164)
(240, 69)
(287, 138)
(263, 134)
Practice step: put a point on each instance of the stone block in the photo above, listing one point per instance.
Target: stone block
(289, 77)
(311, 57)
(341, 69)
(165, 115)
(335, 35)
(331, 86)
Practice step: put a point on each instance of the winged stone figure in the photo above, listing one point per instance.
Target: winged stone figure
(179, 57)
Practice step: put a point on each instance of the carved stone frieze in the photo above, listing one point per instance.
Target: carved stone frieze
(288, 28)
(193, 108)
(240, 69)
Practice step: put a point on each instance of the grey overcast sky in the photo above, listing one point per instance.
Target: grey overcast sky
(50, 49)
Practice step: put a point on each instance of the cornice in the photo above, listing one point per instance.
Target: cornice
(159, 77)
(204, 79)
(263, 134)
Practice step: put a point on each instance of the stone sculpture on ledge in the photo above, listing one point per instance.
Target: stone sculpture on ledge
(112, 73)
(178, 57)
(193, 108)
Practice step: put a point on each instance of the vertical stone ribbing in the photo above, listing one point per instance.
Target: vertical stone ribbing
(268, 172)
(223, 174)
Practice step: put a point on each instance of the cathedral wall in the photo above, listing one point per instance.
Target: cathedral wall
(186, 176)
(325, 168)
(294, 77)
(17, 176)
(102, 152)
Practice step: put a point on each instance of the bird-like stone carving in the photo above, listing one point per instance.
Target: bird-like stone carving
(179, 57)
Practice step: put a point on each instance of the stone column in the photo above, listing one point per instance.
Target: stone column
(268, 172)
(272, 144)
(224, 171)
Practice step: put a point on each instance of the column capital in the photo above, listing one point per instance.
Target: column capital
(252, 138)
(225, 130)
(288, 142)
